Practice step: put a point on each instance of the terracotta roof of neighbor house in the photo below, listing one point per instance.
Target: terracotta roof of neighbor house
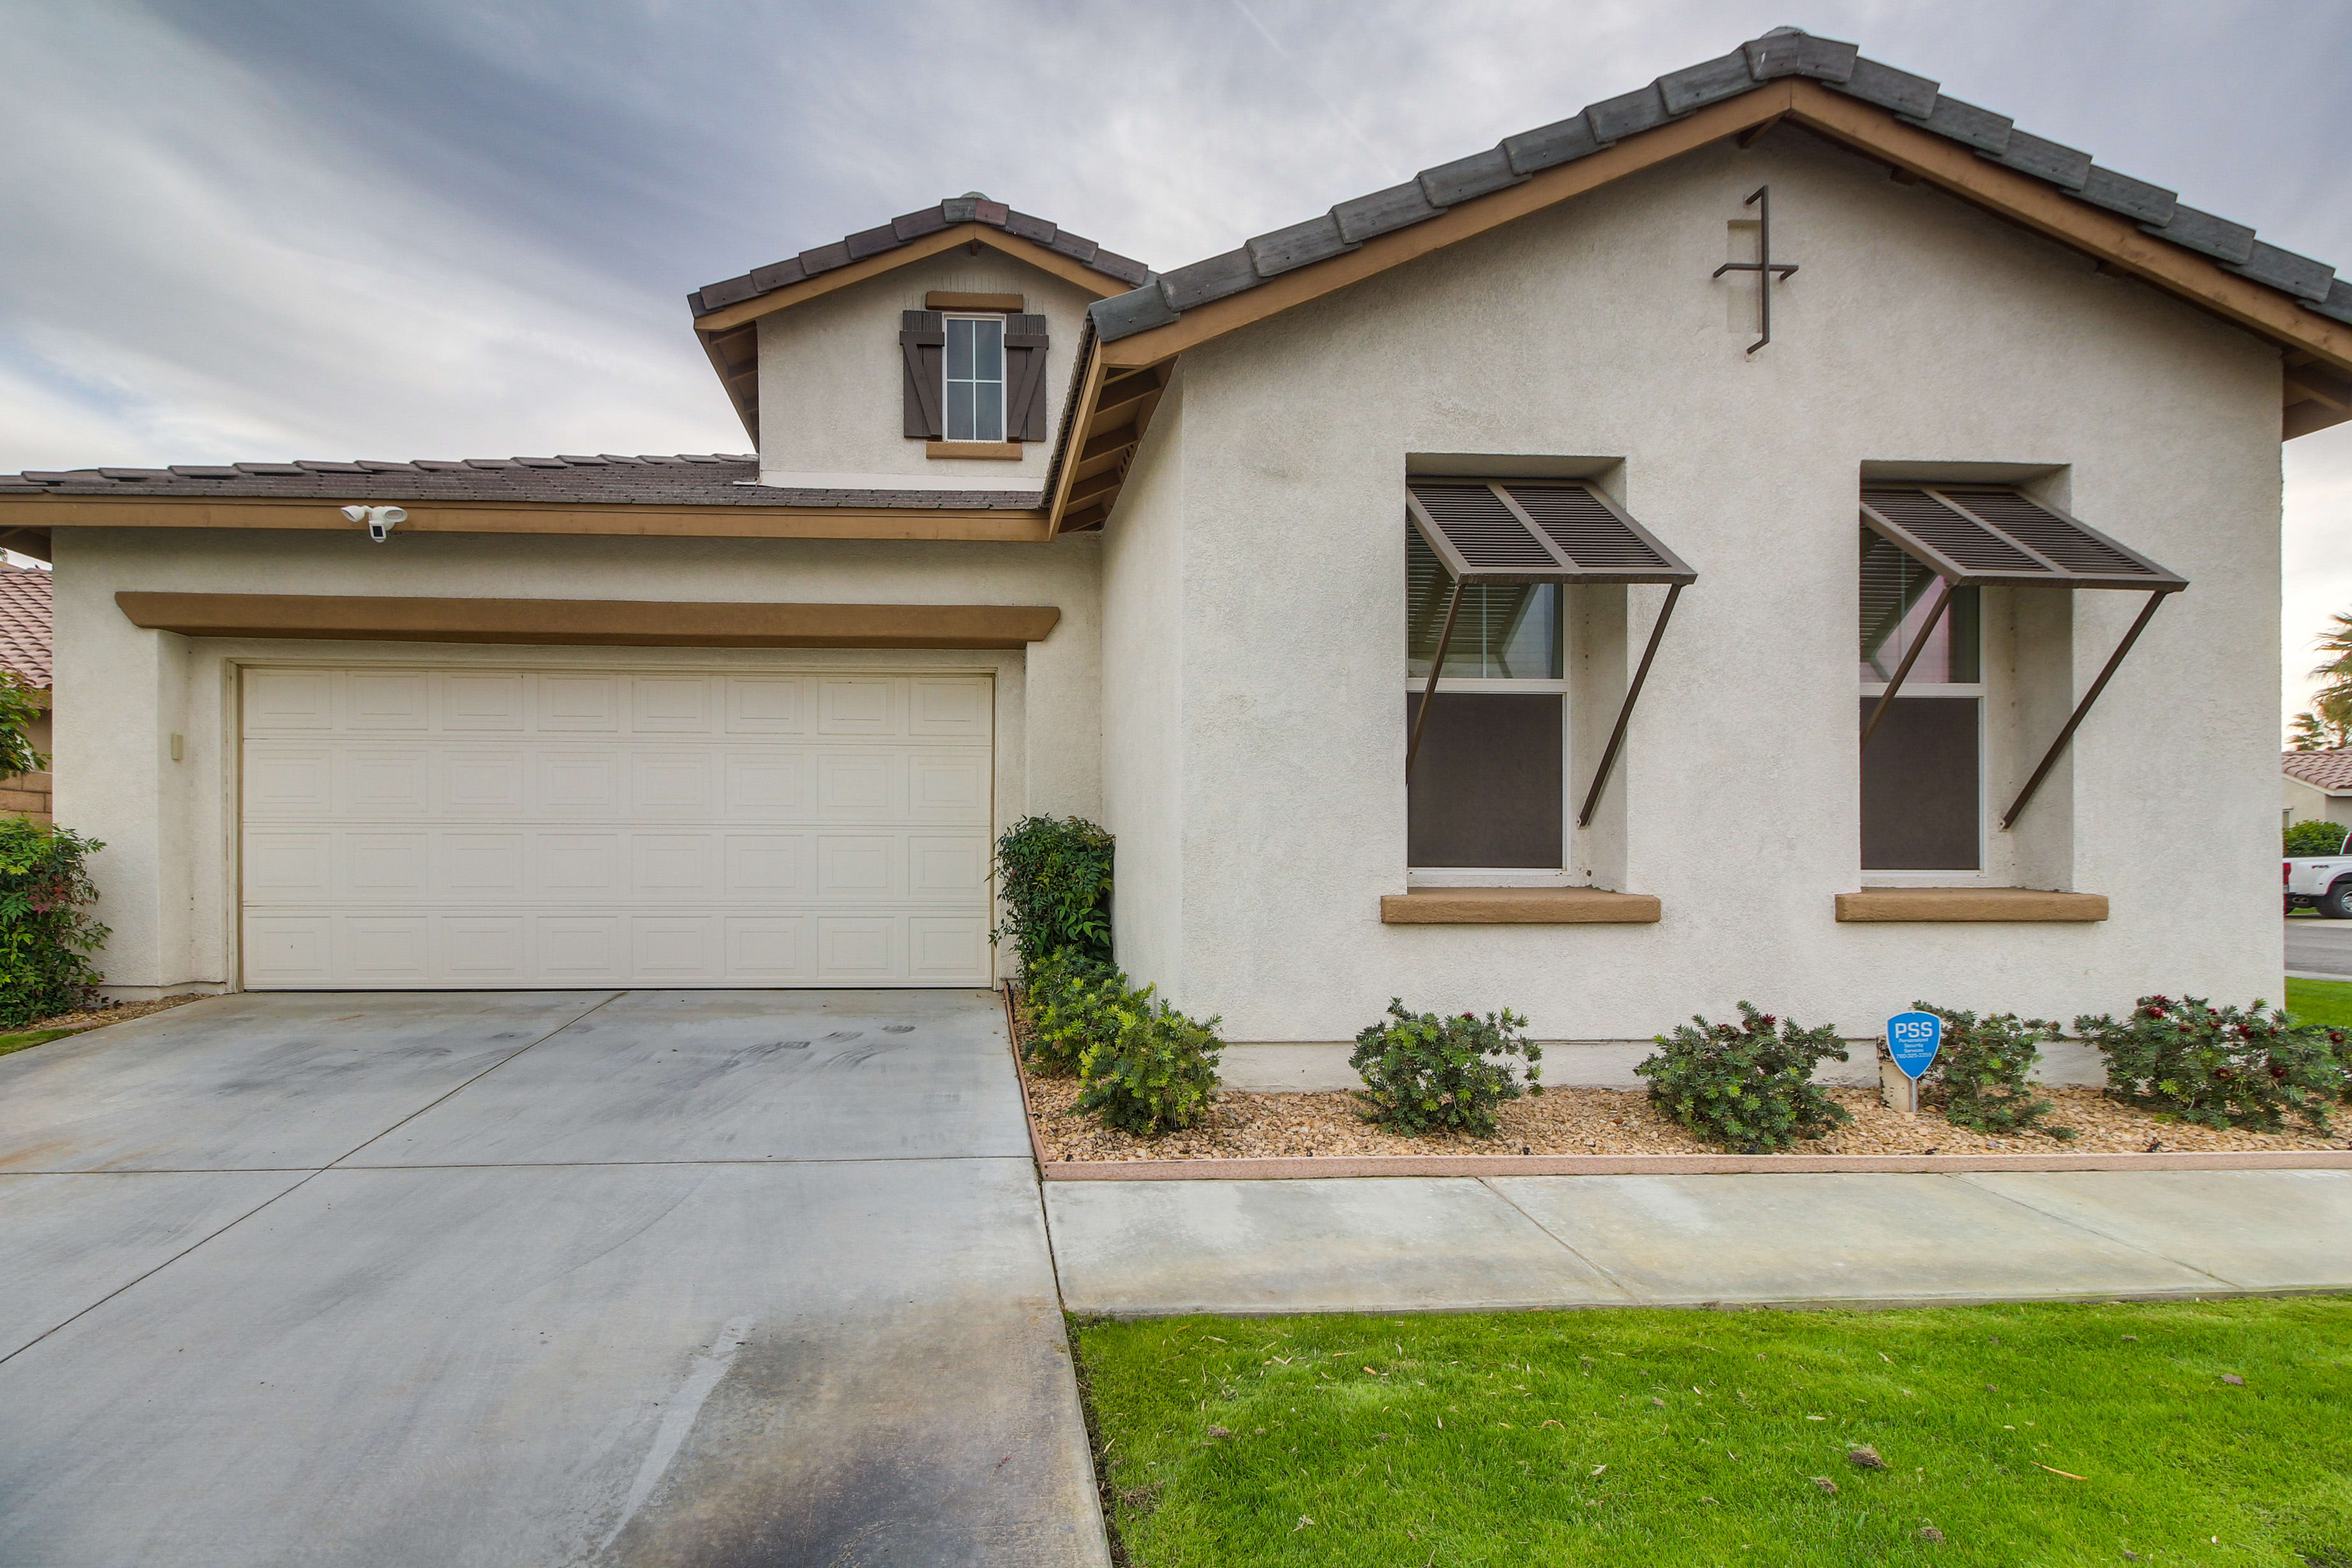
(25, 625)
(690, 479)
(970, 207)
(1783, 52)
(2321, 770)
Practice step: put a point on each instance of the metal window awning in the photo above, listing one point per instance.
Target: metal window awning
(1517, 533)
(1994, 536)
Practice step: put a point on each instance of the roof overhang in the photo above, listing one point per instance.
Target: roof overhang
(731, 334)
(31, 519)
(2317, 387)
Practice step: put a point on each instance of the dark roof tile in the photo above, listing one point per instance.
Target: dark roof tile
(1035, 229)
(1211, 279)
(1297, 246)
(2337, 305)
(1785, 51)
(824, 257)
(1125, 268)
(24, 626)
(871, 242)
(1890, 88)
(2201, 231)
(777, 275)
(316, 468)
(1627, 114)
(1965, 123)
(1137, 311)
(716, 296)
(1466, 178)
(2046, 160)
(1382, 211)
(2285, 270)
(1561, 142)
(267, 468)
(1709, 82)
(914, 226)
(2133, 198)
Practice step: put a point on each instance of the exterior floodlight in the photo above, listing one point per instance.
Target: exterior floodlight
(379, 520)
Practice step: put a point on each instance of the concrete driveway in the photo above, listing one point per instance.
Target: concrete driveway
(2319, 947)
(641, 1277)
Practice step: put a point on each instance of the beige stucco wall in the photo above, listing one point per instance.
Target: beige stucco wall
(831, 378)
(166, 879)
(2307, 803)
(1919, 331)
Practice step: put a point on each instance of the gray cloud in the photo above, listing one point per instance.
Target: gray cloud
(265, 228)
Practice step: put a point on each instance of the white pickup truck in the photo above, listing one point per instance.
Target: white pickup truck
(2322, 882)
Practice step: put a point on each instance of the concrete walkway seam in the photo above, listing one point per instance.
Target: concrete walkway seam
(1602, 1269)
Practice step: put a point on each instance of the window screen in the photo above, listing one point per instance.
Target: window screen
(975, 378)
(1922, 807)
(1486, 791)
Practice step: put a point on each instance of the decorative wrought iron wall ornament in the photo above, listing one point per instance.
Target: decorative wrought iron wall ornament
(1764, 267)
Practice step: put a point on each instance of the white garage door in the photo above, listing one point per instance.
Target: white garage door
(463, 827)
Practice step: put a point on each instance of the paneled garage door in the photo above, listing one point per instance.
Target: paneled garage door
(464, 828)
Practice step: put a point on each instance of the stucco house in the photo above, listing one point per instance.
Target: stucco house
(2317, 787)
(1692, 428)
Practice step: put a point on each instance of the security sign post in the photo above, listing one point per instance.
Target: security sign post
(1912, 1039)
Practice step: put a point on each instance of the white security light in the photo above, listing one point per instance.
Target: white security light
(379, 520)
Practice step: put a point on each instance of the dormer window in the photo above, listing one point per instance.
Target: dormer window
(975, 383)
(975, 378)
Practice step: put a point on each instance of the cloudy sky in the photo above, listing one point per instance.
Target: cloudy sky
(398, 228)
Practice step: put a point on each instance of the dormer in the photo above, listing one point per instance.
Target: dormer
(930, 353)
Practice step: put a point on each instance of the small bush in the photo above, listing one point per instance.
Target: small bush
(1749, 1089)
(1979, 1079)
(2218, 1066)
(18, 708)
(2309, 837)
(46, 933)
(1054, 879)
(1064, 996)
(1149, 1068)
(1426, 1074)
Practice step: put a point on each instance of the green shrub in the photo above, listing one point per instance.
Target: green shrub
(1149, 1068)
(1426, 1074)
(2308, 838)
(1054, 879)
(18, 708)
(1980, 1077)
(2218, 1066)
(1063, 999)
(1749, 1089)
(46, 933)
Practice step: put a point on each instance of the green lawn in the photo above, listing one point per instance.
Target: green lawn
(1655, 1439)
(2320, 1001)
(32, 1037)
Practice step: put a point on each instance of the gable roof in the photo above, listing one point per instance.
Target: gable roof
(1820, 84)
(2330, 771)
(24, 625)
(726, 313)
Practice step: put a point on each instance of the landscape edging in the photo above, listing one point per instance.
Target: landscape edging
(1327, 1167)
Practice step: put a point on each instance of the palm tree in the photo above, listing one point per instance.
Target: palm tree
(2313, 732)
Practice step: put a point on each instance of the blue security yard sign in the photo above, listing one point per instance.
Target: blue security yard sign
(1912, 1039)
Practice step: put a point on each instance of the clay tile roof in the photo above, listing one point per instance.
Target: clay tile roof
(2321, 770)
(25, 625)
(687, 479)
(971, 207)
(1783, 52)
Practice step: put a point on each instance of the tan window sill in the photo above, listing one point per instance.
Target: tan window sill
(1944, 904)
(1517, 907)
(997, 449)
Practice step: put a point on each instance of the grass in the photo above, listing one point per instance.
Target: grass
(1662, 1438)
(31, 1038)
(2320, 1001)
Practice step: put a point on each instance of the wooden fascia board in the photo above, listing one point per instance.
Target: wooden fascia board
(1096, 283)
(2021, 198)
(1023, 526)
(605, 623)
(743, 390)
(2050, 211)
(1058, 503)
(1375, 256)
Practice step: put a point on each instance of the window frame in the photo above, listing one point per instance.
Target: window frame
(1870, 690)
(946, 380)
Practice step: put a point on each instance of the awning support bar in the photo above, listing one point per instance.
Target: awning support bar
(2050, 758)
(1625, 714)
(1436, 668)
(1910, 658)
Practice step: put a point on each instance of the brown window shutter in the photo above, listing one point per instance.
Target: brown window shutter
(1024, 378)
(922, 344)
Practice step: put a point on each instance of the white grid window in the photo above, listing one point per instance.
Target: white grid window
(975, 378)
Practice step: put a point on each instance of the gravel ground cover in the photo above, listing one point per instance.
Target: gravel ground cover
(42, 1031)
(2205, 1433)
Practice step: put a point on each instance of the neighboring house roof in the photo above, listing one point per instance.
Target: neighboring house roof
(24, 625)
(2330, 771)
(1783, 52)
(693, 478)
(726, 314)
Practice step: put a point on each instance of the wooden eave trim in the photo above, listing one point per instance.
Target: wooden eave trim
(1022, 526)
(743, 390)
(2021, 198)
(1058, 505)
(598, 623)
(1518, 905)
(1095, 283)
(1968, 906)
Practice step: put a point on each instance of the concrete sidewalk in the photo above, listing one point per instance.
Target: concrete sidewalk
(1447, 1244)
